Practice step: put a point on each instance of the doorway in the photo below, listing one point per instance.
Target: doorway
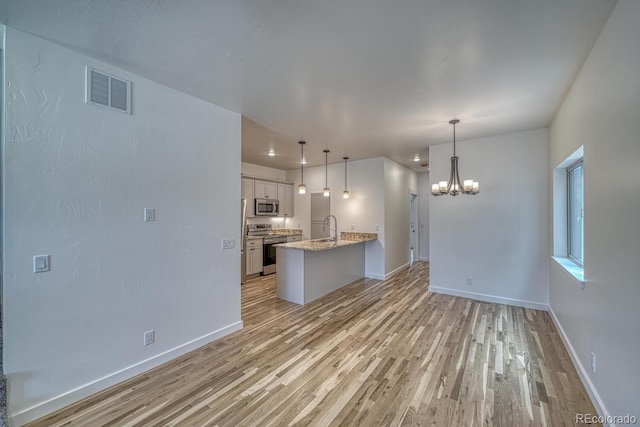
(413, 235)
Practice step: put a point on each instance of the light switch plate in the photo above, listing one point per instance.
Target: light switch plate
(149, 214)
(41, 263)
(228, 244)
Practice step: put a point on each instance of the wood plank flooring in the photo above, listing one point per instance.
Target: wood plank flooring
(375, 353)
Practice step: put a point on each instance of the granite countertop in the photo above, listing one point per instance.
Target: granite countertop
(346, 239)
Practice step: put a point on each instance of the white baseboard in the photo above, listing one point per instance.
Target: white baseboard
(489, 298)
(44, 408)
(582, 372)
(387, 275)
(423, 258)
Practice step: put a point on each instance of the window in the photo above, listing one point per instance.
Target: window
(568, 215)
(575, 213)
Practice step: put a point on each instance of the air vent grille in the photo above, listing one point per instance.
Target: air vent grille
(108, 91)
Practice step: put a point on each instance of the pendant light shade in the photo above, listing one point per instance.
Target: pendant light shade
(345, 193)
(454, 186)
(326, 190)
(301, 188)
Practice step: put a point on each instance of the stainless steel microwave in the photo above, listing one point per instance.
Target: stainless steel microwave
(267, 207)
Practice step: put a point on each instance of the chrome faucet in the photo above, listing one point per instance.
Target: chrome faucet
(327, 221)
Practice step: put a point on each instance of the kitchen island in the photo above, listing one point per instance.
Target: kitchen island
(310, 269)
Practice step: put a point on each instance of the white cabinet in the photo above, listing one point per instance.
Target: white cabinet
(285, 196)
(265, 190)
(294, 238)
(254, 256)
(248, 193)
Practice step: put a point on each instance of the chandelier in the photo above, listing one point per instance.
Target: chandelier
(453, 187)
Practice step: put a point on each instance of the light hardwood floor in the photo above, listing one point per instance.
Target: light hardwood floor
(374, 353)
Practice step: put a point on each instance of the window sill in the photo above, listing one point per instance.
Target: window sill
(572, 268)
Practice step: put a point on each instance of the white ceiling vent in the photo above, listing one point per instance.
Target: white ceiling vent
(108, 91)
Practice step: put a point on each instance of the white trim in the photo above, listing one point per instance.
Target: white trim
(584, 376)
(388, 275)
(489, 298)
(572, 269)
(423, 258)
(41, 409)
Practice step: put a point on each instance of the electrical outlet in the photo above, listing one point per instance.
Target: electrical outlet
(149, 214)
(377, 227)
(149, 337)
(469, 281)
(228, 244)
(41, 263)
(593, 362)
(353, 227)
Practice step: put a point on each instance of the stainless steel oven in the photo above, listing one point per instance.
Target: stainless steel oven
(269, 253)
(267, 207)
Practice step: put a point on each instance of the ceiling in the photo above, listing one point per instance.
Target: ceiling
(363, 78)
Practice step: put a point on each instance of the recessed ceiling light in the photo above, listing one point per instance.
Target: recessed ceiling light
(303, 162)
(271, 153)
(416, 158)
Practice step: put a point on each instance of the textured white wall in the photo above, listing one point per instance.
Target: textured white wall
(500, 237)
(77, 178)
(399, 182)
(601, 112)
(364, 208)
(424, 190)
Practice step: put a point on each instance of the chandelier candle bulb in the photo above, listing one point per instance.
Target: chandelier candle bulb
(475, 186)
(435, 189)
(468, 184)
(443, 185)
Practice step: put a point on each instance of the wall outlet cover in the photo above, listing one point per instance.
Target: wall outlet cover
(149, 337)
(41, 263)
(149, 214)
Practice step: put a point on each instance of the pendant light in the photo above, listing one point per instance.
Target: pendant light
(453, 187)
(345, 193)
(301, 188)
(326, 190)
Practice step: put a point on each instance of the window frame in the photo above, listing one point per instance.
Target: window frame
(577, 164)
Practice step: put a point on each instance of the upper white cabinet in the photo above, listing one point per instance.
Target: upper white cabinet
(265, 190)
(248, 193)
(256, 188)
(285, 196)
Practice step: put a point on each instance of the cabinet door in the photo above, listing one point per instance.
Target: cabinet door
(265, 189)
(285, 196)
(260, 189)
(248, 193)
(272, 190)
(254, 260)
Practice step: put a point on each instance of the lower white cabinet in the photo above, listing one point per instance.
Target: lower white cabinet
(254, 256)
(294, 238)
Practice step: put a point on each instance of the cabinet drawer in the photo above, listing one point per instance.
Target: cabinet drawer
(294, 238)
(254, 243)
